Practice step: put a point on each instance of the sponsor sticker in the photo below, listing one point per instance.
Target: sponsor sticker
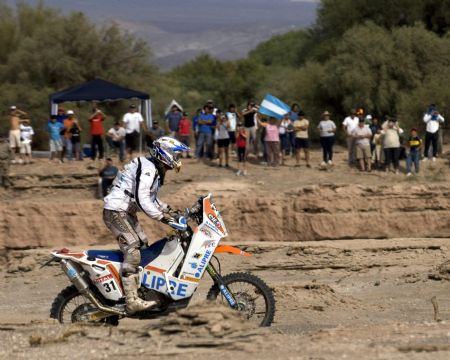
(103, 278)
(203, 263)
(208, 244)
(157, 282)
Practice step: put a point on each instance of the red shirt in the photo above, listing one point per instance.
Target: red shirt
(97, 124)
(184, 127)
(241, 142)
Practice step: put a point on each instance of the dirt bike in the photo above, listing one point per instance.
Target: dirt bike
(170, 272)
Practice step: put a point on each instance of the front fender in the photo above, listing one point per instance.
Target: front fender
(230, 250)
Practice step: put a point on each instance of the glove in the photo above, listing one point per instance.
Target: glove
(167, 210)
(180, 224)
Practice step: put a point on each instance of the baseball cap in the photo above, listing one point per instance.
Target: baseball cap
(132, 106)
(70, 112)
(13, 107)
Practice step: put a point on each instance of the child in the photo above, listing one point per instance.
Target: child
(26, 136)
(184, 131)
(75, 138)
(377, 141)
(414, 145)
(241, 145)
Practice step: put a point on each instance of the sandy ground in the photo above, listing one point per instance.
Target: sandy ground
(347, 296)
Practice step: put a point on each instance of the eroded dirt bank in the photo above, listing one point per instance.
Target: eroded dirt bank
(313, 212)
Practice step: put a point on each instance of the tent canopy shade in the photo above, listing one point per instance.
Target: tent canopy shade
(96, 90)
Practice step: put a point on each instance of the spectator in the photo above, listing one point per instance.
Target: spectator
(6, 155)
(241, 143)
(301, 138)
(205, 122)
(374, 125)
(66, 138)
(351, 123)
(272, 141)
(377, 141)
(293, 116)
(214, 109)
(249, 114)
(195, 126)
(413, 156)
(185, 132)
(173, 118)
(26, 137)
(54, 129)
(223, 139)
(96, 120)
(362, 135)
(391, 144)
(132, 122)
(154, 133)
(233, 118)
(107, 176)
(115, 137)
(433, 120)
(75, 138)
(61, 116)
(327, 129)
(285, 124)
(14, 130)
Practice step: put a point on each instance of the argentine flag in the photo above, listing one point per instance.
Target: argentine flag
(271, 106)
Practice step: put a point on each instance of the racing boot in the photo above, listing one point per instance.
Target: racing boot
(133, 302)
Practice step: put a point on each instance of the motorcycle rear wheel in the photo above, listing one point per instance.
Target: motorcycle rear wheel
(68, 302)
(246, 299)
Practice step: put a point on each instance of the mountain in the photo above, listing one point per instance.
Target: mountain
(179, 30)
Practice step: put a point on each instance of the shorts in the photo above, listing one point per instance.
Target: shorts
(241, 154)
(184, 139)
(363, 151)
(301, 143)
(223, 143)
(25, 148)
(55, 145)
(14, 138)
(232, 135)
(132, 140)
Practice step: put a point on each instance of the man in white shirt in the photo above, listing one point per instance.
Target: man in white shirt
(233, 118)
(350, 124)
(433, 120)
(115, 137)
(132, 122)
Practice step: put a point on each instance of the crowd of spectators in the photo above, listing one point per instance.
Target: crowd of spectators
(241, 134)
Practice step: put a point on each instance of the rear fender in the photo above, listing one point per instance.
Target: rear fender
(230, 250)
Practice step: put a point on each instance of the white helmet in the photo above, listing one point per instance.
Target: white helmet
(168, 151)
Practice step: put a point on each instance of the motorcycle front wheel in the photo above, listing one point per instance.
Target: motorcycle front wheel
(254, 298)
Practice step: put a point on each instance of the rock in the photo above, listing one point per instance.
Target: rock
(27, 264)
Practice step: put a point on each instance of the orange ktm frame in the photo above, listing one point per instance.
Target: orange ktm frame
(230, 250)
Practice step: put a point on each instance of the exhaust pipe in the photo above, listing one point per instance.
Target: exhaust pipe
(83, 287)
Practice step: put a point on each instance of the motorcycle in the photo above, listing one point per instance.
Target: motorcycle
(170, 272)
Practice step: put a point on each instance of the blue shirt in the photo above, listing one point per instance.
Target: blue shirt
(173, 119)
(54, 129)
(61, 118)
(206, 128)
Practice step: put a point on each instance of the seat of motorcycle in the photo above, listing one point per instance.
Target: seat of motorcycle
(147, 255)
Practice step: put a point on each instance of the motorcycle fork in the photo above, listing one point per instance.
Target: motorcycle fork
(225, 291)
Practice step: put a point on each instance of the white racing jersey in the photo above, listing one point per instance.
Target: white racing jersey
(137, 185)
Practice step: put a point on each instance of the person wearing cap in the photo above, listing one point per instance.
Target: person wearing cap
(433, 120)
(107, 175)
(391, 144)
(75, 138)
(250, 115)
(6, 155)
(155, 132)
(362, 136)
(14, 130)
(414, 146)
(96, 121)
(132, 122)
(67, 149)
(54, 129)
(351, 123)
(184, 133)
(173, 118)
(327, 129)
(115, 137)
(205, 122)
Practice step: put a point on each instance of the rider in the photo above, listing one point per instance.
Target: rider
(136, 189)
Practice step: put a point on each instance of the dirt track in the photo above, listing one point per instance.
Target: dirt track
(355, 299)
